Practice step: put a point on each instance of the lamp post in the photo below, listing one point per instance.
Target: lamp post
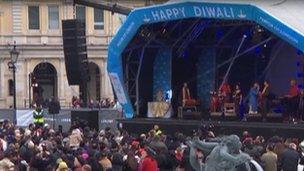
(12, 65)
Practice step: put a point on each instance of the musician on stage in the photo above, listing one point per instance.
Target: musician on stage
(292, 100)
(264, 95)
(214, 101)
(253, 98)
(238, 101)
(301, 106)
(160, 96)
(225, 91)
(187, 100)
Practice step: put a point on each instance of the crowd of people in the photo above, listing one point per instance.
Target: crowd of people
(103, 103)
(83, 149)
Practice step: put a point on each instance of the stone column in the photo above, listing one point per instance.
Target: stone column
(61, 81)
(20, 83)
(3, 69)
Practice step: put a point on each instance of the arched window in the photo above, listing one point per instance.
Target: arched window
(45, 83)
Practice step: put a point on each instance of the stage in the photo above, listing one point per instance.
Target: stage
(171, 126)
(153, 55)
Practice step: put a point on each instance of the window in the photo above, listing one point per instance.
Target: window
(53, 17)
(33, 17)
(80, 13)
(98, 19)
(10, 87)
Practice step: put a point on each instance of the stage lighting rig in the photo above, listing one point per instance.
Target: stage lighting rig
(104, 5)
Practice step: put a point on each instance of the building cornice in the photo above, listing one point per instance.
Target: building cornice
(50, 47)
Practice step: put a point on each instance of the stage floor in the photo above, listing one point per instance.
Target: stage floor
(171, 126)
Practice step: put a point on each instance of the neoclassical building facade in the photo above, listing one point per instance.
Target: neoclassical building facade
(35, 26)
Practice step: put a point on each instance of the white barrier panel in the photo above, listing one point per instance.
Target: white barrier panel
(24, 117)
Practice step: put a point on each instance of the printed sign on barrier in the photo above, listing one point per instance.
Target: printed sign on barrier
(24, 117)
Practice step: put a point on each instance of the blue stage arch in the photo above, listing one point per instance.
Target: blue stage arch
(184, 10)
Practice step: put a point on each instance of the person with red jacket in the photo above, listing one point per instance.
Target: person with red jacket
(292, 100)
(147, 163)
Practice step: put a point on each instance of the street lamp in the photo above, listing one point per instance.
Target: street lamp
(12, 65)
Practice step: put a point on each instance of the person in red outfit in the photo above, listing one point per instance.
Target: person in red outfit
(292, 99)
(147, 163)
(225, 91)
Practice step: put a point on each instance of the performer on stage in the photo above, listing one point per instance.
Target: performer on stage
(265, 100)
(292, 100)
(301, 106)
(238, 101)
(225, 91)
(187, 100)
(214, 102)
(160, 96)
(253, 99)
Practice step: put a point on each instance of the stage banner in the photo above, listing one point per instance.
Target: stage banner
(182, 10)
(117, 85)
(114, 63)
(279, 28)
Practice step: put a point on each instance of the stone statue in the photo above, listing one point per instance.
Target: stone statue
(223, 154)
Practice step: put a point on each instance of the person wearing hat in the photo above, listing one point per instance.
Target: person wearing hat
(148, 162)
(62, 166)
(38, 116)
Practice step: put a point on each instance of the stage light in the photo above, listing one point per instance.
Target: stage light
(259, 29)
(265, 45)
(258, 50)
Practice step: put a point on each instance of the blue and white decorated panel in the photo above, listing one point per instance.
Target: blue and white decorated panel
(205, 75)
(279, 28)
(162, 71)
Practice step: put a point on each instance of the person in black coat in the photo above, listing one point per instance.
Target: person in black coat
(290, 158)
(54, 106)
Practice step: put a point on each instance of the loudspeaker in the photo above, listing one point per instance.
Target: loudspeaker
(54, 107)
(191, 115)
(85, 118)
(75, 51)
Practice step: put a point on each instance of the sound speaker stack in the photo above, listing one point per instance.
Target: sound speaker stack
(85, 118)
(190, 113)
(75, 51)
